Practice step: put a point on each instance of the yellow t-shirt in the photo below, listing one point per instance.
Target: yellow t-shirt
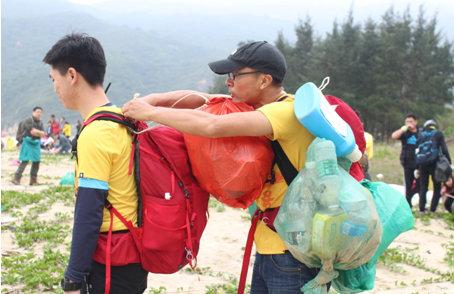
(369, 145)
(67, 130)
(294, 139)
(103, 154)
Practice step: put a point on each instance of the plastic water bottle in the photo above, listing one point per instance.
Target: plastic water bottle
(327, 222)
(319, 117)
(299, 230)
(300, 213)
(327, 172)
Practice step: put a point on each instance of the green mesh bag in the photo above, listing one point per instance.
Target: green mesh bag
(395, 218)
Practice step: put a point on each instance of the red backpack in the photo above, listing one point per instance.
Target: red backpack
(172, 207)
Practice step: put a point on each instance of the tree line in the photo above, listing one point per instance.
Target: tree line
(383, 69)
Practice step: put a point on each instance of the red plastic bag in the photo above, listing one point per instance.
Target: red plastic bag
(232, 169)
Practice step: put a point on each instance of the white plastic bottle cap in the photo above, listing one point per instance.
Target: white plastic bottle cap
(167, 196)
(355, 155)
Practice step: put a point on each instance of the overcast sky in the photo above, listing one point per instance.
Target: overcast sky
(322, 12)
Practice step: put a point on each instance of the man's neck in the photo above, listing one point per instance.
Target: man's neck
(270, 95)
(89, 99)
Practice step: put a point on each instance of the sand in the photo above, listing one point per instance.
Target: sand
(223, 242)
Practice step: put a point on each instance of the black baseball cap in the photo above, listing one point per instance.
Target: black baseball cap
(260, 56)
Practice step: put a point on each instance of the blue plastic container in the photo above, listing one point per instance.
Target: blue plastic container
(319, 117)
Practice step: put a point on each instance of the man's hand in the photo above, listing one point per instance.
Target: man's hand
(36, 133)
(138, 109)
(72, 292)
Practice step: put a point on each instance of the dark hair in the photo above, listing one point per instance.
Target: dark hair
(83, 53)
(277, 82)
(411, 115)
(37, 107)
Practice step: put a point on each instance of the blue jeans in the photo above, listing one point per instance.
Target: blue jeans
(280, 274)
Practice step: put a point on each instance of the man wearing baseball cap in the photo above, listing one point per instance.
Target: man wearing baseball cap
(255, 72)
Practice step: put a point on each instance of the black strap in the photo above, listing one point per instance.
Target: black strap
(289, 172)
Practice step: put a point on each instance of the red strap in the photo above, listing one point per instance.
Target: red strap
(130, 227)
(247, 253)
(95, 116)
(108, 252)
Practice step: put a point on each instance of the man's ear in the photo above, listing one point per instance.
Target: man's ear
(73, 75)
(266, 81)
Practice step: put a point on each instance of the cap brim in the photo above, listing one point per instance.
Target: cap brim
(225, 66)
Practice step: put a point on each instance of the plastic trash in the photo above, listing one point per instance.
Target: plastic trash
(327, 218)
(232, 169)
(67, 179)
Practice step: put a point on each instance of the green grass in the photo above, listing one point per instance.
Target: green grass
(215, 204)
(386, 162)
(32, 230)
(13, 199)
(35, 272)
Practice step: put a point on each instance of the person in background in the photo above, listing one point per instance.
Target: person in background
(408, 135)
(437, 140)
(32, 130)
(447, 192)
(368, 154)
(78, 126)
(54, 127)
(67, 130)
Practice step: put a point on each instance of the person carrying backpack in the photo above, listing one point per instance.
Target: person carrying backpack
(28, 136)
(431, 143)
(77, 70)
(408, 135)
(255, 72)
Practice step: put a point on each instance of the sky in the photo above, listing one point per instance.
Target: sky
(322, 12)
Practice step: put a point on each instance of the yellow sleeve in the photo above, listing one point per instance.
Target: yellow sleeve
(96, 151)
(281, 116)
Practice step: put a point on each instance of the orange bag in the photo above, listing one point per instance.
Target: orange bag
(232, 169)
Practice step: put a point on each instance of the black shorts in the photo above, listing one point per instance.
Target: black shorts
(131, 279)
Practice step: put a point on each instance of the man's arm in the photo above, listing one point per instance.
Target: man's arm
(179, 99)
(197, 122)
(37, 133)
(87, 222)
(399, 132)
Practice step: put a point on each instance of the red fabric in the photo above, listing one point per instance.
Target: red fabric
(170, 227)
(355, 123)
(232, 169)
(55, 127)
(123, 249)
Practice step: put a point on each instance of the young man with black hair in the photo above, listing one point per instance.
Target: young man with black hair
(408, 135)
(77, 70)
(28, 136)
(255, 74)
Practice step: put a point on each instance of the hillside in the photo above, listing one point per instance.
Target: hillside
(138, 61)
